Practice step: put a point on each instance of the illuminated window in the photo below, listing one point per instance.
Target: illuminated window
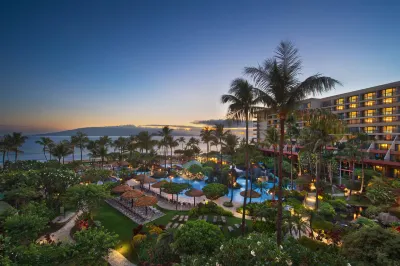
(352, 114)
(369, 120)
(353, 105)
(388, 111)
(369, 103)
(388, 129)
(369, 129)
(340, 107)
(388, 119)
(308, 105)
(369, 112)
(369, 96)
(383, 146)
(353, 99)
(378, 168)
(340, 101)
(388, 92)
(388, 100)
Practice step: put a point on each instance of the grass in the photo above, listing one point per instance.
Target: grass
(116, 222)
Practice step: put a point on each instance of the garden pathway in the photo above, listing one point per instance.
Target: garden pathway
(63, 235)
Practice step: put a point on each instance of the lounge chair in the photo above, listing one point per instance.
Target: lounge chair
(215, 219)
(168, 225)
(201, 217)
(181, 218)
(175, 225)
(237, 226)
(175, 217)
(223, 218)
(230, 229)
(205, 217)
(186, 218)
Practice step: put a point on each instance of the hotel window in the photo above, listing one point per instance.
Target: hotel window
(388, 129)
(369, 112)
(353, 105)
(340, 101)
(352, 114)
(369, 96)
(369, 130)
(388, 100)
(388, 92)
(340, 107)
(369, 103)
(308, 105)
(389, 119)
(353, 99)
(388, 111)
(383, 146)
(369, 120)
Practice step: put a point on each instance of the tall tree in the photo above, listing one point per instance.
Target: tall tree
(172, 143)
(293, 133)
(206, 135)
(61, 150)
(243, 100)
(278, 78)
(165, 133)
(121, 145)
(361, 139)
(182, 141)
(272, 139)
(45, 142)
(81, 139)
(17, 140)
(219, 136)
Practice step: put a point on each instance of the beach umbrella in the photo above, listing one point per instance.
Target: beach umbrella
(250, 194)
(159, 185)
(140, 177)
(148, 180)
(145, 201)
(132, 195)
(121, 189)
(194, 193)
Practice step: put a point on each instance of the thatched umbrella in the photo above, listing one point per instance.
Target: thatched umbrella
(194, 193)
(145, 201)
(140, 177)
(123, 163)
(121, 189)
(148, 180)
(132, 195)
(250, 194)
(159, 185)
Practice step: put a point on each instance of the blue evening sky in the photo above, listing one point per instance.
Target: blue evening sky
(68, 64)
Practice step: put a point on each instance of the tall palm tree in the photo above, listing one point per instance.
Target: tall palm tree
(219, 135)
(172, 143)
(105, 141)
(243, 100)
(182, 141)
(293, 132)
(73, 142)
(206, 135)
(272, 139)
(278, 78)
(165, 133)
(61, 150)
(45, 142)
(352, 154)
(17, 140)
(121, 144)
(360, 140)
(5, 146)
(81, 139)
(145, 141)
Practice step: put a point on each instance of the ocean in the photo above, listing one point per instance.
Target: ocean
(34, 151)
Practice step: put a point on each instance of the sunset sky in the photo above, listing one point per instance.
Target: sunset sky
(69, 64)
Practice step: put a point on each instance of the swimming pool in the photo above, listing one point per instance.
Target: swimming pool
(236, 192)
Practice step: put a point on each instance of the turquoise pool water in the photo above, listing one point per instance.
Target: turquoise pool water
(236, 192)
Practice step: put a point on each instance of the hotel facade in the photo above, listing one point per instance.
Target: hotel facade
(375, 111)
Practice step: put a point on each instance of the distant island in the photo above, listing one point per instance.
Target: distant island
(118, 131)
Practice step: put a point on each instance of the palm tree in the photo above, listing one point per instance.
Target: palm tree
(105, 141)
(206, 135)
(272, 139)
(352, 154)
(172, 143)
(5, 146)
(73, 143)
(219, 136)
(293, 132)
(182, 141)
(361, 139)
(165, 133)
(121, 144)
(81, 139)
(145, 141)
(243, 100)
(278, 78)
(61, 150)
(45, 142)
(16, 141)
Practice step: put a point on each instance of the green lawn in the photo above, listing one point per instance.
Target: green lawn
(118, 223)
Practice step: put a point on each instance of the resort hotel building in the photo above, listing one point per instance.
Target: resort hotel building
(375, 111)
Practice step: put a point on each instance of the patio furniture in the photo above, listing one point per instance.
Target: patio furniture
(201, 217)
(223, 218)
(181, 218)
(175, 217)
(237, 226)
(168, 225)
(186, 218)
(230, 229)
(205, 218)
(215, 219)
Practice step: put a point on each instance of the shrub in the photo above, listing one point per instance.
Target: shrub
(338, 204)
(311, 243)
(197, 237)
(365, 222)
(326, 210)
(264, 227)
(373, 211)
(214, 191)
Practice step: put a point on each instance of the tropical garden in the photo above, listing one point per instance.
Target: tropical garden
(325, 207)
